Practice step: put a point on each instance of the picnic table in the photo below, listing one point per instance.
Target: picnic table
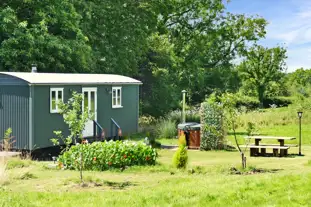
(254, 148)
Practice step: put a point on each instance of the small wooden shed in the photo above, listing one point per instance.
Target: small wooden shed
(27, 104)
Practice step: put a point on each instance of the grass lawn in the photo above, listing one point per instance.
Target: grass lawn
(32, 184)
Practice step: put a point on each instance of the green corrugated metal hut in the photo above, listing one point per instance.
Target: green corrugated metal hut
(27, 104)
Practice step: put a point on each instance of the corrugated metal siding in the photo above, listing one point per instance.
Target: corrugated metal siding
(14, 113)
(10, 80)
(126, 117)
(44, 121)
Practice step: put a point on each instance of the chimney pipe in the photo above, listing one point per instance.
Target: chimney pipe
(33, 68)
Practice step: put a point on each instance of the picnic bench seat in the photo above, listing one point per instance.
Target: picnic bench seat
(276, 148)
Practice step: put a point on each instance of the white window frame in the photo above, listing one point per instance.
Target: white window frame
(56, 90)
(116, 98)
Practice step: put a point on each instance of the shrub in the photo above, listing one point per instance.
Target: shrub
(102, 156)
(212, 126)
(278, 101)
(250, 103)
(146, 123)
(180, 158)
(166, 129)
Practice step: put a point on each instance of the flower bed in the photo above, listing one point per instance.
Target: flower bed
(106, 155)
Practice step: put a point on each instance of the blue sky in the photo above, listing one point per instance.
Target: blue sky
(289, 24)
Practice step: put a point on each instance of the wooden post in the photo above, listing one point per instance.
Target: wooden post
(275, 152)
(282, 152)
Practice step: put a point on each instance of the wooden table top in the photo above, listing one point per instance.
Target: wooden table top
(270, 137)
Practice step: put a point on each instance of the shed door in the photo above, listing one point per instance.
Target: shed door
(89, 104)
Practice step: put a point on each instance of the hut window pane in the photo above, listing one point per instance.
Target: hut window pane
(56, 96)
(116, 97)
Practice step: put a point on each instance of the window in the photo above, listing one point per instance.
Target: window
(116, 97)
(56, 95)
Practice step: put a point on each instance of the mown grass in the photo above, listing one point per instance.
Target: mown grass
(208, 184)
(207, 181)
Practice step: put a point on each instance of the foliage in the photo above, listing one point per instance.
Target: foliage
(180, 158)
(7, 141)
(212, 125)
(147, 124)
(182, 140)
(262, 67)
(76, 118)
(166, 129)
(44, 33)
(102, 156)
(252, 103)
(232, 118)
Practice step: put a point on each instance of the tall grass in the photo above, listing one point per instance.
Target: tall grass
(274, 117)
(3, 171)
(166, 128)
(192, 115)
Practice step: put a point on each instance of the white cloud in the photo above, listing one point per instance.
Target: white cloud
(293, 29)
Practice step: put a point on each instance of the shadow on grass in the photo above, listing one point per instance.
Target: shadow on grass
(119, 185)
(270, 155)
(251, 171)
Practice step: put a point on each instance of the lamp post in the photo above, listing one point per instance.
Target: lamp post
(183, 105)
(299, 116)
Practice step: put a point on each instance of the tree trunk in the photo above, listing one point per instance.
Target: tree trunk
(261, 91)
(243, 160)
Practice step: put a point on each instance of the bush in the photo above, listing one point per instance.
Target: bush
(212, 126)
(250, 103)
(166, 129)
(102, 156)
(146, 123)
(278, 101)
(180, 158)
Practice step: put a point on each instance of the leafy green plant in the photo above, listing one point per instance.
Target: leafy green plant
(100, 156)
(7, 140)
(180, 158)
(75, 117)
(182, 140)
(166, 129)
(212, 125)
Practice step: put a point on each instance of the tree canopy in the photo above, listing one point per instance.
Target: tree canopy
(170, 45)
(263, 67)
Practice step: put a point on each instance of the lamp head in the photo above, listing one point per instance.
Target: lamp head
(299, 114)
(184, 91)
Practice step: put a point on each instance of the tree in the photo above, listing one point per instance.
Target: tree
(76, 118)
(45, 33)
(262, 67)
(205, 38)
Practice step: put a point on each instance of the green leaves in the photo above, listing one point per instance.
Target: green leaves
(102, 156)
(263, 67)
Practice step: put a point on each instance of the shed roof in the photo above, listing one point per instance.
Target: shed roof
(72, 78)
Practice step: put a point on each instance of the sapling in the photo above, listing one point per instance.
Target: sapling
(75, 117)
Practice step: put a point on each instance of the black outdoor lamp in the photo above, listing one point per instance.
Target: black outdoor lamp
(299, 116)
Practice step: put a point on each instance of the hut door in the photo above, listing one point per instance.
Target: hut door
(89, 104)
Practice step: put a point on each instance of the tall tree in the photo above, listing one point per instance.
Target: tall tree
(42, 32)
(262, 67)
(118, 32)
(206, 38)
